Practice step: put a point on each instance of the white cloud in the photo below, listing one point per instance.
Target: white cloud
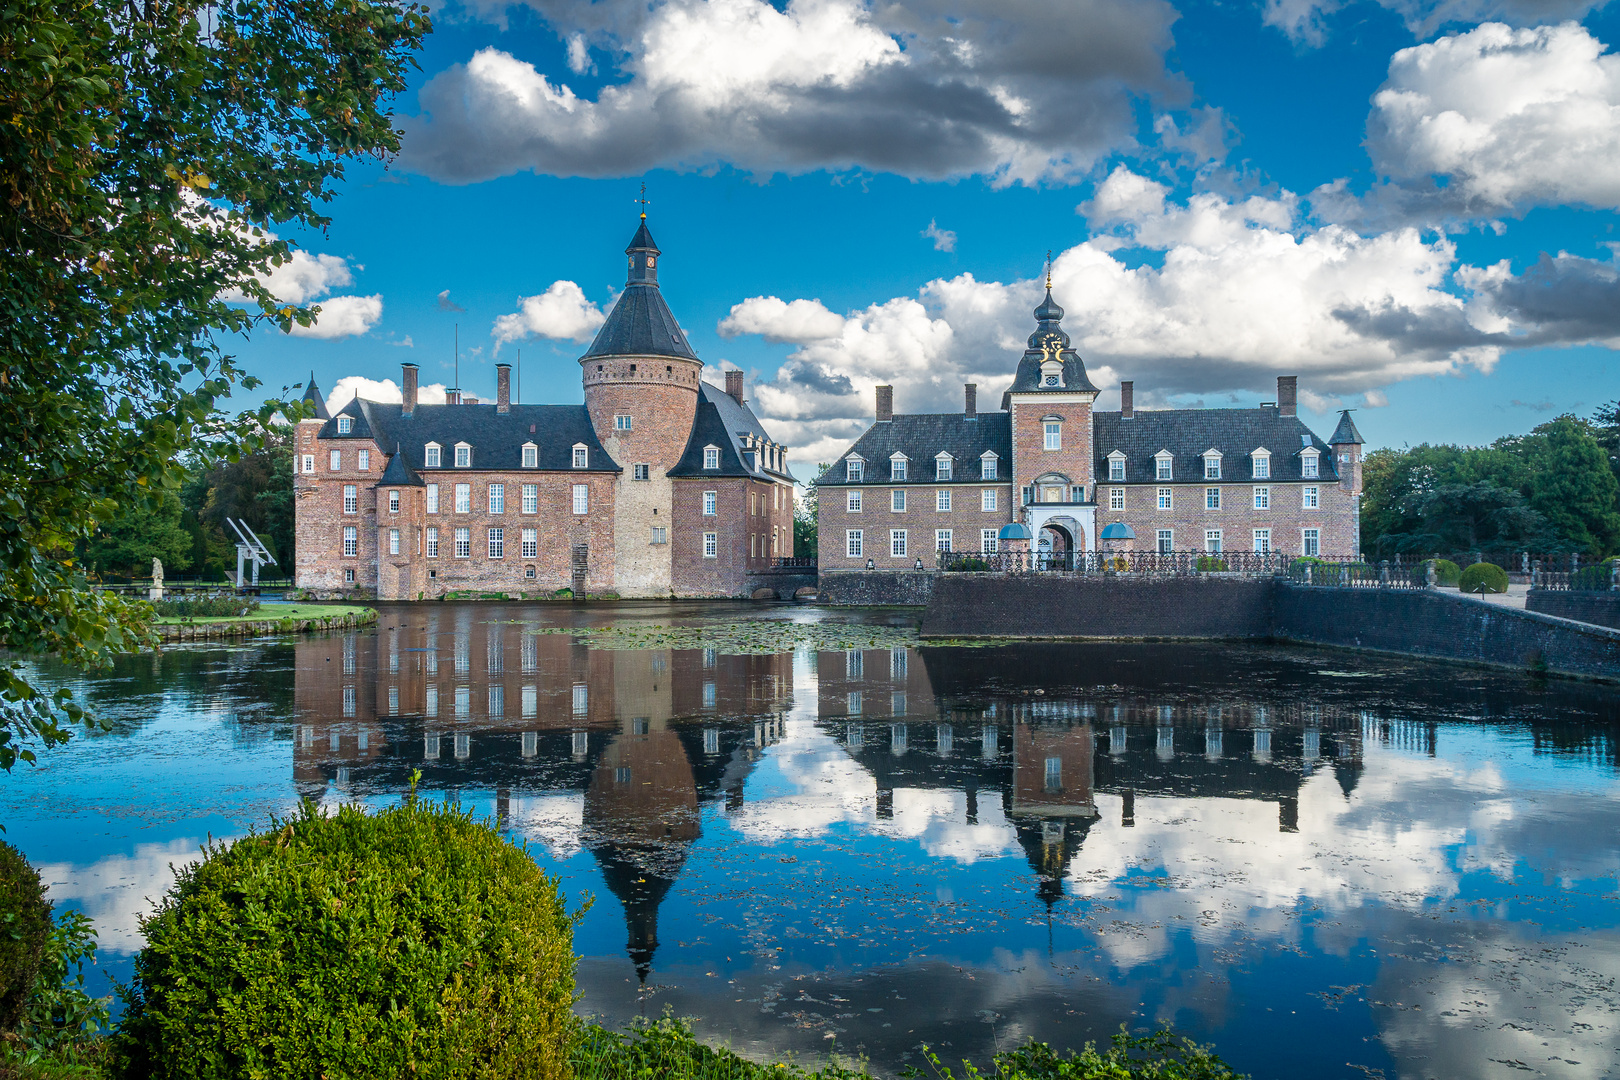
(1508, 118)
(561, 313)
(308, 279)
(350, 387)
(944, 239)
(305, 277)
(118, 890)
(343, 316)
(579, 55)
(1019, 90)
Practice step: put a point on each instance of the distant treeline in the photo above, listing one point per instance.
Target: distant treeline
(1556, 489)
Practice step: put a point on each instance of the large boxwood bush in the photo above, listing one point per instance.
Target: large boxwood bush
(1492, 577)
(414, 942)
(1446, 572)
(25, 924)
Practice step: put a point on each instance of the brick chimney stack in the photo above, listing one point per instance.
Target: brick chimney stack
(1127, 400)
(408, 380)
(885, 404)
(1287, 395)
(734, 385)
(972, 409)
(503, 388)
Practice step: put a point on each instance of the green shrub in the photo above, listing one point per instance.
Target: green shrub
(667, 1049)
(1600, 576)
(62, 1023)
(1159, 1056)
(1211, 562)
(1446, 572)
(414, 942)
(213, 605)
(971, 564)
(25, 927)
(1492, 577)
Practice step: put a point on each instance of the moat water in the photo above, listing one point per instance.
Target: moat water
(820, 838)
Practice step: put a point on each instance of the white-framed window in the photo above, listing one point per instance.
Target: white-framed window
(988, 500)
(942, 467)
(497, 498)
(659, 535)
(582, 456)
(1029, 494)
(1212, 541)
(393, 541)
(711, 457)
(1262, 464)
(351, 499)
(711, 503)
(345, 425)
(852, 543)
(1311, 541)
(463, 456)
(989, 465)
(711, 545)
(897, 543)
(897, 500)
(582, 498)
(1166, 499)
(393, 502)
(531, 498)
(898, 465)
(1166, 541)
(530, 540)
(621, 422)
(1077, 493)
(1262, 540)
(351, 541)
(1212, 466)
(1163, 463)
(431, 455)
(432, 542)
(463, 498)
(942, 500)
(336, 460)
(1262, 498)
(987, 540)
(497, 543)
(942, 539)
(348, 578)
(641, 472)
(1311, 498)
(1053, 431)
(1116, 466)
(852, 502)
(1212, 498)
(531, 456)
(365, 460)
(309, 463)
(463, 543)
(431, 498)
(854, 469)
(1309, 467)
(1116, 498)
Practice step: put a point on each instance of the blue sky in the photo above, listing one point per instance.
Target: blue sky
(1410, 204)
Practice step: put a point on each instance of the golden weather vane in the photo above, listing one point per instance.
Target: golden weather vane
(643, 200)
(1048, 269)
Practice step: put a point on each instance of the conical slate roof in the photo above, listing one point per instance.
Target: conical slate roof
(398, 473)
(640, 323)
(1346, 431)
(313, 394)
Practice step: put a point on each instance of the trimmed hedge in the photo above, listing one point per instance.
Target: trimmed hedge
(212, 606)
(1492, 577)
(412, 942)
(1446, 572)
(1596, 577)
(25, 926)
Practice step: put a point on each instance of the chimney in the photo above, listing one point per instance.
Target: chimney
(734, 385)
(885, 404)
(503, 388)
(972, 409)
(1287, 395)
(452, 397)
(409, 382)
(1127, 400)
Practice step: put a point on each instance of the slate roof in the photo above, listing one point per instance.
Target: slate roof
(1187, 433)
(721, 422)
(1346, 431)
(496, 438)
(313, 394)
(921, 437)
(640, 323)
(399, 474)
(1047, 338)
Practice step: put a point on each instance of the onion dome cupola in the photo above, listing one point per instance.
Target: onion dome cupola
(641, 323)
(1050, 364)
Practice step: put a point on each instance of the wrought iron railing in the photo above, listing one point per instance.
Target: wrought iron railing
(1599, 577)
(794, 562)
(1302, 570)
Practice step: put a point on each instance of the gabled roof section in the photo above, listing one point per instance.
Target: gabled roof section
(359, 422)
(721, 422)
(1346, 432)
(921, 436)
(497, 438)
(1187, 433)
(312, 395)
(399, 474)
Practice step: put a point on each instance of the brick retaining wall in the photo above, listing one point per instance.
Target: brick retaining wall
(995, 605)
(876, 588)
(1601, 608)
(204, 631)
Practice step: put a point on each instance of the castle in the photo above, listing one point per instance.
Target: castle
(1048, 473)
(659, 485)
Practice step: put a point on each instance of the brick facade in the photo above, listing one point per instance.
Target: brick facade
(1284, 517)
(921, 520)
(752, 523)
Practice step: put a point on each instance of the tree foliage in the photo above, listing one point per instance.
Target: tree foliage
(806, 515)
(146, 151)
(142, 532)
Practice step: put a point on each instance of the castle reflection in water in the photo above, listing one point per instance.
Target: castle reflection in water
(649, 737)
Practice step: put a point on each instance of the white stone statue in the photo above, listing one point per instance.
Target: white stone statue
(155, 593)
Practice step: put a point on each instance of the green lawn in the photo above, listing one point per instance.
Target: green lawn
(271, 613)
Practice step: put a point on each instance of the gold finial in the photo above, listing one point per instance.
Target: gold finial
(643, 200)
(1048, 269)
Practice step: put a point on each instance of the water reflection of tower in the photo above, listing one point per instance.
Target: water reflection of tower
(1052, 802)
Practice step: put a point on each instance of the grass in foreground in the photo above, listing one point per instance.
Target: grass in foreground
(269, 613)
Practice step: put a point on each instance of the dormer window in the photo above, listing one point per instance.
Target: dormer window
(1162, 462)
(1116, 466)
(989, 465)
(897, 467)
(1262, 464)
(1308, 464)
(1052, 373)
(854, 469)
(942, 467)
(531, 456)
(431, 455)
(748, 460)
(582, 456)
(345, 425)
(711, 457)
(1212, 464)
(463, 455)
